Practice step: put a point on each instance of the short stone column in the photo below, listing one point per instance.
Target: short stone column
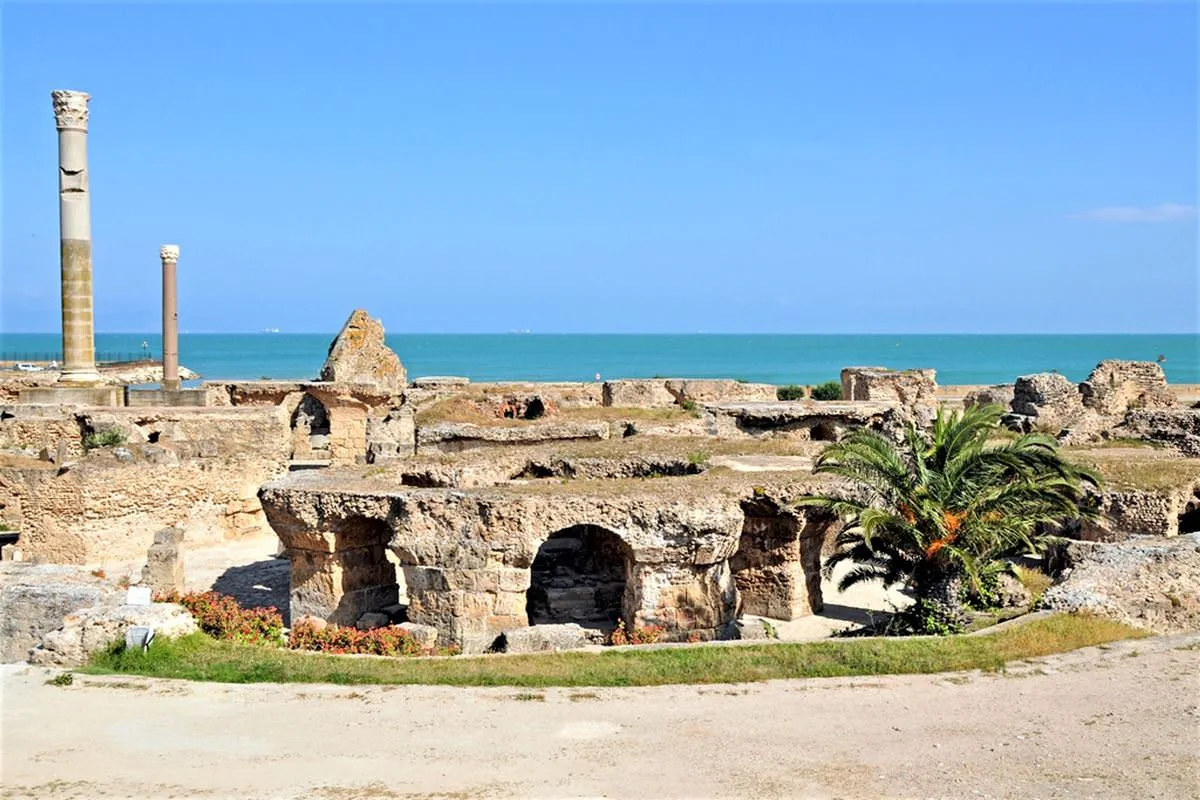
(75, 234)
(169, 253)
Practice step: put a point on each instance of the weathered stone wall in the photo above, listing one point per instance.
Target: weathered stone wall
(809, 421)
(197, 469)
(909, 387)
(34, 598)
(637, 394)
(1049, 401)
(467, 557)
(1114, 387)
(998, 395)
(778, 561)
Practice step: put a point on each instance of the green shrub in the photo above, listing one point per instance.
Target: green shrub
(791, 391)
(698, 458)
(62, 679)
(830, 390)
(107, 437)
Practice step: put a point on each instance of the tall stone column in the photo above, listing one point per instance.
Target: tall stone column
(75, 233)
(170, 318)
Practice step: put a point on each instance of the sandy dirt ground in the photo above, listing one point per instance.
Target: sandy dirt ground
(1115, 722)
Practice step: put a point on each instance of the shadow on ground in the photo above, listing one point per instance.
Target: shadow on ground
(258, 585)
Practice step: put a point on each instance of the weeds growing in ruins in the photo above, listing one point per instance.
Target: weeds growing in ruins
(638, 634)
(108, 437)
(198, 657)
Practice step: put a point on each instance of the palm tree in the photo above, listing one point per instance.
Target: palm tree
(939, 511)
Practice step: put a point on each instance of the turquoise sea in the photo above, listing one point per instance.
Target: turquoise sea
(784, 358)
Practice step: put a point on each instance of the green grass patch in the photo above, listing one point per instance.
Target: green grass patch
(198, 657)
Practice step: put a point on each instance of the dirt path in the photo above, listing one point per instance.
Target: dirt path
(1119, 722)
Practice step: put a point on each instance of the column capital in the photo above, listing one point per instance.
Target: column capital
(169, 253)
(70, 109)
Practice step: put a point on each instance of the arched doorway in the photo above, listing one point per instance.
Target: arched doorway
(580, 574)
(310, 429)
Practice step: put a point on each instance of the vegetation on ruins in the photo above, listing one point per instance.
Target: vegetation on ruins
(108, 437)
(830, 390)
(340, 640)
(792, 391)
(199, 657)
(222, 617)
(940, 512)
(638, 634)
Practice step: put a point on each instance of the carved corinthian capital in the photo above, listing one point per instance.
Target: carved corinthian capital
(70, 109)
(169, 253)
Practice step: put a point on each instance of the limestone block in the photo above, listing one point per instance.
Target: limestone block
(543, 638)
(360, 355)
(720, 391)
(910, 387)
(637, 394)
(425, 635)
(35, 598)
(1049, 400)
(1178, 428)
(998, 395)
(96, 628)
(164, 562)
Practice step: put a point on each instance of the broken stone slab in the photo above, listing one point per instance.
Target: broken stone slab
(456, 436)
(34, 599)
(441, 382)
(720, 391)
(545, 638)
(360, 355)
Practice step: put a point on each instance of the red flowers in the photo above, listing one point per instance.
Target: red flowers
(388, 641)
(221, 617)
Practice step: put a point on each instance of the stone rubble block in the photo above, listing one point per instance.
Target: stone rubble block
(546, 638)
(425, 635)
(93, 629)
(637, 394)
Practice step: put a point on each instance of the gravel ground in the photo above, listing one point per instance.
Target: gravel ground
(1114, 722)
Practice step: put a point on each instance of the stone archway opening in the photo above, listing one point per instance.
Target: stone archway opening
(580, 574)
(310, 429)
(824, 432)
(777, 566)
(368, 576)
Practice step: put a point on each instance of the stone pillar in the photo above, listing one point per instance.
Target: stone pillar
(170, 318)
(75, 233)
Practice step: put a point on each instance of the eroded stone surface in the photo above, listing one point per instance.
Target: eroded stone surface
(360, 355)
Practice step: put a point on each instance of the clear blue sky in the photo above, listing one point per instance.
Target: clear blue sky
(615, 168)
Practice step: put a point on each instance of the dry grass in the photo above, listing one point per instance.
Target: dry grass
(1138, 467)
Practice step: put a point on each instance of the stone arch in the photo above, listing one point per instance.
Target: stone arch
(581, 574)
(825, 431)
(777, 565)
(310, 429)
(366, 575)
